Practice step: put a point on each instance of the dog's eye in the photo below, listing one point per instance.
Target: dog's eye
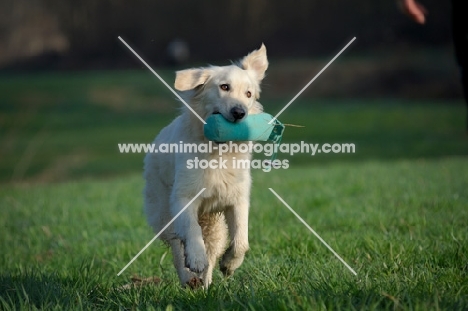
(224, 87)
(248, 94)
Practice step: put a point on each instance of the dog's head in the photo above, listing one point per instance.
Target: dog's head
(229, 90)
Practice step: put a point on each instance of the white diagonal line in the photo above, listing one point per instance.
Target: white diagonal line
(162, 80)
(310, 82)
(315, 233)
(162, 230)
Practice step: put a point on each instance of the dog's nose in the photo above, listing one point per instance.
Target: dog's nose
(238, 113)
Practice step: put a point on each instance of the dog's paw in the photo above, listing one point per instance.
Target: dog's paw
(229, 263)
(227, 267)
(194, 283)
(195, 260)
(225, 270)
(196, 265)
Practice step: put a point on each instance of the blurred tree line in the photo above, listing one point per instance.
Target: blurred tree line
(83, 34)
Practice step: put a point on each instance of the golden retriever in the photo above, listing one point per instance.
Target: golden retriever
(199, 236)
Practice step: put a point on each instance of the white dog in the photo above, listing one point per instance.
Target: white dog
(198, 237)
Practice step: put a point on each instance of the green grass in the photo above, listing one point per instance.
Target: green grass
(395, 210)
(400, 224)
(62, 126)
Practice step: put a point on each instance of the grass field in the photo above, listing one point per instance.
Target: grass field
(62, 126)
(72, 217)
(402, 225)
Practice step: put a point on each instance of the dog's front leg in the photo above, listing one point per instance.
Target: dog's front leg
(237, 218)
(189, 232)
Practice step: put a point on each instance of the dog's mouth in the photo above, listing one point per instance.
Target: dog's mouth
(229, 118)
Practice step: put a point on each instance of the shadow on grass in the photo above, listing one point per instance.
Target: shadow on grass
(51, 291)
(32, 288)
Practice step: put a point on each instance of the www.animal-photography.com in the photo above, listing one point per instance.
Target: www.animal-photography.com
(236, 155)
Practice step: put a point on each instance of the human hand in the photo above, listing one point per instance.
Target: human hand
(416, 11)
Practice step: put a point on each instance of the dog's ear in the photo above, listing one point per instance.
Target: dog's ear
(256, 62)
(191, 78)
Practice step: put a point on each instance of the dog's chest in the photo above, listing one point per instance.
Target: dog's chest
(224, 188)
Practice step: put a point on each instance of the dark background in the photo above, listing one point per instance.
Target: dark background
(70, 91)
(52, 34)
